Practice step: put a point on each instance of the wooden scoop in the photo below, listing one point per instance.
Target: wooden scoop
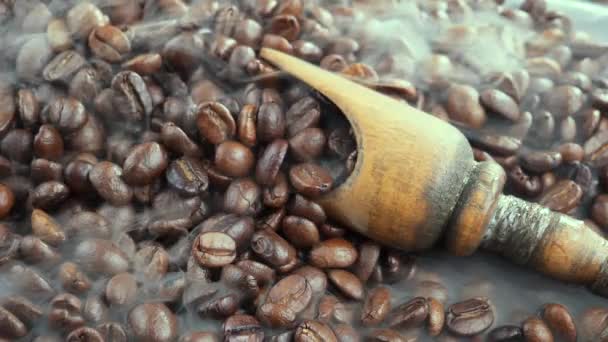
(415, 181)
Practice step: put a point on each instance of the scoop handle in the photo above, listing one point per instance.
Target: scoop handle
(552, 243)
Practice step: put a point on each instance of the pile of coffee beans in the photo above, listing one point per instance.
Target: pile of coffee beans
(158, 179)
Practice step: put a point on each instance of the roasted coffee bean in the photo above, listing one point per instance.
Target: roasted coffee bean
(270, 162)
(308, 144)
(89, 224)
(376, 307)
(234, 159)
(436, 319)
(121, 290)
(12, 327)
(152, 262)
(470, 317)
(347, 283)
(109, 43)
(277, 195)
(28, 107)
(463, 106)
(287, 298)
(595, 149)
(271, 123)
(32, 58)
(274, 250)
(83, 18)
(131, 97)
(214, 249)
(182, 52)
(303, 114)
(241, 327)
(177, 141)
(239, 228)
(76, 175)
(144, 163)
(506, 333)
(49, 195)
(101, 256)
(65, 312)
(310, 179)
(286, 26)
(63, 66)
(571, 152)
(112, 331)
(36, 251)
(557, 317)
(188, 176)
(315, 278)
(94, 309)
(333, 253)
(84, 334)
(243, 197)
(215, 123)
(153, 322)
(386, 335)
(46, 228)
(17, 145)
(314, 331)
(369, 253)
(599, 211)
(409, 314)
(90, 138)
(26, 311)
(539, 162)
(524, 184)
(42, 170)
(500, 103)
(72, 279)
(563, 196)
(106, 178)
(535, 329)
(300, 232)
(85, 85)
(7, 200)
(563, 100)
(66, 113)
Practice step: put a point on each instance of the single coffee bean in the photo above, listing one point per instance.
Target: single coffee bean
(535, 329)
(347, 283)
(28, 107)
(286, 26)
(84, 334)
(557, 317)
(270, 162)
(36, 251)
(234, 159)
(274, 250)
(524, 184)
(301, 232)
(144, 163)
(386, 335)
(241, 327)
(72, 279)
(121, 290)
(83, 18)
(506, 333)
(46, 228)
(49, 195)
(63, 66)
(333, 253)
(11, 326)
(152, 262)
(215, 123)
(106, 178)
(277, 195)
(463, 106)
(314, 331)
(76, 175)
(66, 113)
(153, 322)
(243, 197)
(500, 103)
(109, 43)
(315, 277)
(539, 162)
(144, 64)
(595, 150)
(563, 196)
(85, 85)
(65, 312)
(409, 314)
(376, 307)
(308, 144)
(112, 331)
(571, 152)
(303, 114)
(101, 256)
(188, 176)
(436, 319)
(131, 96)
(310, 179)
(182, 52)
(292, 290)
(58, 35)
(470, 317)
(95, 310)
(271, 123)
(177, 141)
(17, 145)
(214, 249)
(7, 200)
(42, 170)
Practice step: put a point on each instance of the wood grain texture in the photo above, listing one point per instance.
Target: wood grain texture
(403, 187)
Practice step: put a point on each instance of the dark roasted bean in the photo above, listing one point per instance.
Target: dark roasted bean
(274, 250)
(410, 314)
(234, 159)
(310, 179)
(535, 329)
(563, 196)
(470, 317)
(376, 307)
(153, 322)
(333, 253)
